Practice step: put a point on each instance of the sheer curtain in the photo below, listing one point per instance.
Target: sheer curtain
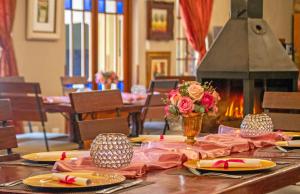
(8, 66)
(196, 15)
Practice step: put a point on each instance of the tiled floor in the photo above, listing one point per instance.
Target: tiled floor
(38, 145)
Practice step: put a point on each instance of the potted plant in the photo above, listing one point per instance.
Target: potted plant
(106, 78)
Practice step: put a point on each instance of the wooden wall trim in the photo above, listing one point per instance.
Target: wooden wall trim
(94, 42)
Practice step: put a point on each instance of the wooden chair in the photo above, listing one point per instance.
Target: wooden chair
(283, 108)
(17, 79)
(67, 81)
(7, 132)
(12, 79)
(181, 79)
(163, 86)
(104, 110)
(26, 102)
(154, 110)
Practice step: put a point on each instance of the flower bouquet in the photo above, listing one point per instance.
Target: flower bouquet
(191, 100)
(107, 78)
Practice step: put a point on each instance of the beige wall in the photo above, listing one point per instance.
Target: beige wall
(278, 14)
(40, 61)
(141, 45)
(43, 61)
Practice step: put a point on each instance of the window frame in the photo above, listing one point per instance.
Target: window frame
(93, 69)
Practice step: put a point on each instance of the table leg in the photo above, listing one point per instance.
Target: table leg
(74, 131)
(136, 123)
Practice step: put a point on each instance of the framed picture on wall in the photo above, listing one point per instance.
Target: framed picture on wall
(43, 19)
(160, 20)
(157, 64)
(297, 6)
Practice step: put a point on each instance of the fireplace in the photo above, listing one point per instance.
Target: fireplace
(245, 60)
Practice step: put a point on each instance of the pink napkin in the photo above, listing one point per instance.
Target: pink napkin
(217, 145)
(56, 99)
(143, 160)
(129, 97)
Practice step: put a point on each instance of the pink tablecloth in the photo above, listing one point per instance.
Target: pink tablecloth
(218, 145)
(127, 98)
(163, 154)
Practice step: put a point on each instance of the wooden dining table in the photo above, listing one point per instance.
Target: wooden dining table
(173, 181)
(134, 108)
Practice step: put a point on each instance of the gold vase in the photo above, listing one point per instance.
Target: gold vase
(192, 125)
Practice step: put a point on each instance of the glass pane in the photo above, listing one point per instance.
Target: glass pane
(77, 4)
(101, 42)
(110, 6)
(68, 4)
(120, 7)
(120, 42)
(88, 45)
(77, 41)
(87, 5)
(68, 67)
(111, 42)
(101, 6)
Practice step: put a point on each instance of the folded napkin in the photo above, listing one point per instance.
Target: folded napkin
(62, 155)
(293, 143)
(144, 160)
(68, 179)
(229, 163)
(56, 99)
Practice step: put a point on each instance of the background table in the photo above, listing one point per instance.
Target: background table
(134, 109)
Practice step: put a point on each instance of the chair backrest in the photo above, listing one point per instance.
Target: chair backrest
(154, 107)
(12, 79)
(66, 81)
(181, 79)
(284, 109)
(7, 131)
(95, 103)
(163, 86)
(26, 100)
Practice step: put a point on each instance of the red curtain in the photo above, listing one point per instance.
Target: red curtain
(196, 16)
(8, 66)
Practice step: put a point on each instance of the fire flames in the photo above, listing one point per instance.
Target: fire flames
(235, 107)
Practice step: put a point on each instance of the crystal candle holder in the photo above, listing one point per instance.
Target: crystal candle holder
(111, 150)
(255, 125)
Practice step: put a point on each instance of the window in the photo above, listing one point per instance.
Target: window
(110, 35)
(186, 57)
(78, 38)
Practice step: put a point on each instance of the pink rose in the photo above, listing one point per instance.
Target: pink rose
(172, 93)
(99, 78)
(174, 96)
(216, 96)
(208, 101)
(185, 105)
(195, 91)
(174, 100)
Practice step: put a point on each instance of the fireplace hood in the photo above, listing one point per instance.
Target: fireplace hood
(246, 48)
